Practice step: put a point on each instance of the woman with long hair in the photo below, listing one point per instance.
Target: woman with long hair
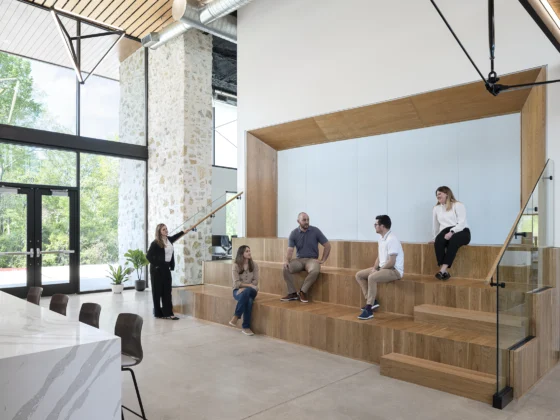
(245, 274)
(449, 229)
(162, 263)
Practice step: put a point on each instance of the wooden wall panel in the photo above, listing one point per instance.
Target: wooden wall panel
(544, 326)
(524, 367)
(458, 103)
(533, 137)
(261, 195)
(550, 266)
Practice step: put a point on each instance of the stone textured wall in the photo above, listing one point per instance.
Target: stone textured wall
(131, 109)
(132, 179)
(180, 146)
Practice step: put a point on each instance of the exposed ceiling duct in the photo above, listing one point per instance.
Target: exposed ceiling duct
(213, 18)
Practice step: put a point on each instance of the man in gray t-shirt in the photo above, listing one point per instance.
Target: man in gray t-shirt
(306, 239)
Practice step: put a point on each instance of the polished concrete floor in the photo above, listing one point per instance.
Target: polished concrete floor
(198, 370)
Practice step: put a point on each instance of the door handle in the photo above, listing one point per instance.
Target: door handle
(62, 251)
(6, 254)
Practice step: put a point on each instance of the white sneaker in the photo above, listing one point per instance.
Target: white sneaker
(247, 331)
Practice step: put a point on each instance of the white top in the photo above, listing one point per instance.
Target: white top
(168, 250)
(456, 218)
(26, 328)
(390, 245)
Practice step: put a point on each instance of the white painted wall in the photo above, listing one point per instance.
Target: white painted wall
(344, 185)
(298, 59)
(223, 180)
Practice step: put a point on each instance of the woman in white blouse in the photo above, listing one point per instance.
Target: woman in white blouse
(245, 273)
(449, 229)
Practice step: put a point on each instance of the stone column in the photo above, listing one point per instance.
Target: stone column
(180, 146)
(132, 184)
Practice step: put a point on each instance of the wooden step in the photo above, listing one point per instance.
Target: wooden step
(339, 286)
(484, 322)
(336, 329)
(455, 380)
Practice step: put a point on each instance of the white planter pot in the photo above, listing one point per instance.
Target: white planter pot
(117, 288)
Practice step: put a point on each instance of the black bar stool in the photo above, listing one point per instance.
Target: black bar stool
(34, 295)
(89, 314)
(59, 303)
(129, 329)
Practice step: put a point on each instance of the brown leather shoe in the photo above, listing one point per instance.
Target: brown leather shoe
(302, 297)
(290, 296)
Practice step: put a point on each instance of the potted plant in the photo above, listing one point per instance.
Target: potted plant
(138, 259)
(118, 276)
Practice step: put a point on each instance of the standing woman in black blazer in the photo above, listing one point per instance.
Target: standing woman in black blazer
(162, 263)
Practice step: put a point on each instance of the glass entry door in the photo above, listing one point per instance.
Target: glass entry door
(38, 240)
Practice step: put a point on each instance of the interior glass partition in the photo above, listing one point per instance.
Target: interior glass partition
(521, 272)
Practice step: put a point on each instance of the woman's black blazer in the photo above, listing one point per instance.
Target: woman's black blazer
(156, 254)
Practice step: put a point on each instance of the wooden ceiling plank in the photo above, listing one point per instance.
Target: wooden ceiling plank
(88, 7)
(157, 26)
(108, 12)
(143, 13)
(123, 8)
(459, 103)
(158, 18)
(95, 8)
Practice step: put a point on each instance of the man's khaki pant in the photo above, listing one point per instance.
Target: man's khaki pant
(310, 265)
(368, 279)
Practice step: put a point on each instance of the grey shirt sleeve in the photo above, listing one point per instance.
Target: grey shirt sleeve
(322, 238)
(292, 240)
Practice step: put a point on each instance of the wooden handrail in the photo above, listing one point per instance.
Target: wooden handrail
(494, 266)
(214, 211)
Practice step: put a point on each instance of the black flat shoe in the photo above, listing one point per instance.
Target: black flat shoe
(446, 276)
(439, 275)
(173, 318)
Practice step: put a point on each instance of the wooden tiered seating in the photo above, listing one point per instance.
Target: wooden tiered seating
(427, 331)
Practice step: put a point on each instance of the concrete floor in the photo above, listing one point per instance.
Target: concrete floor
(194, 370)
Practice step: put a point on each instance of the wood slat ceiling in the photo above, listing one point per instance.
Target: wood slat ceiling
(136, 17)
(555, 4)
(30, 32)
(460, 103)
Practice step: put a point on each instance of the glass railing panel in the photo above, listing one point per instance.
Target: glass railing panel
(520, 271)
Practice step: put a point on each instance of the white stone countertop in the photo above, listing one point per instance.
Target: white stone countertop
(26, 328)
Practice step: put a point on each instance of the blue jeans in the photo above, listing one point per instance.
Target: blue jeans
(244, 298)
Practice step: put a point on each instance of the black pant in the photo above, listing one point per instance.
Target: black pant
(161, 290)
(446, 250)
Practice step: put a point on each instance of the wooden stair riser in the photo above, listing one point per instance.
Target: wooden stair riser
(399, 297)
(472, 261)
(456, 381)
(344, 336)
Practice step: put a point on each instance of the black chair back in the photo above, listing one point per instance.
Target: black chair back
(59, 302)
(89, 314)
(34, 295)
(129, 328)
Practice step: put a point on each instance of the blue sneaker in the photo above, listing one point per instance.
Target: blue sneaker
(366, 314)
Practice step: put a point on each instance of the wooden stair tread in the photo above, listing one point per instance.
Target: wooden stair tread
(474, 316)
(455, 380)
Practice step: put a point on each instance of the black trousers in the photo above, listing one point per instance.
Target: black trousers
(161, 290)
(446, 250)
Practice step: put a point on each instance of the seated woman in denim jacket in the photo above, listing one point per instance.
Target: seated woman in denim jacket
(245, 274)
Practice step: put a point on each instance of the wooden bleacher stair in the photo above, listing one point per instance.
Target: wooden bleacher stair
(437, 334)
